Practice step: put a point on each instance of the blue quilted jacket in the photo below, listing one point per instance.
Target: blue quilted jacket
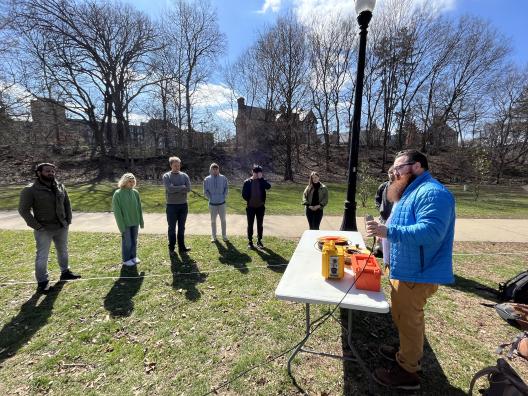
(421, 233)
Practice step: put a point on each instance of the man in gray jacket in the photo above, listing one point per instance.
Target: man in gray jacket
(177, 186)
(46, 208)
(215, 188)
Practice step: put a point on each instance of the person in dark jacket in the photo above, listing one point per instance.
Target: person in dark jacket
(45, 206)
(315, 198)
(384, 207)
(254, 193)
(382, 203)
(421, 231)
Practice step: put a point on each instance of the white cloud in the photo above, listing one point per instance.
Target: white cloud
(16, 91)
(273, 5)
(137, 119)
(226, 114)
(208, 95)
(309, 10)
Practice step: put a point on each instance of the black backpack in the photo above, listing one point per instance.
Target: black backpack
(515, 289)
(503, 381)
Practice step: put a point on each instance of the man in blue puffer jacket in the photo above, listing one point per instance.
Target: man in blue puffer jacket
(420, 232)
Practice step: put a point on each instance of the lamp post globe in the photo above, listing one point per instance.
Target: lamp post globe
(364, 14)
(364, 5)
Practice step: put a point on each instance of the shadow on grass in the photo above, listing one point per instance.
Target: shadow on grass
(31, 317)
(232, 256)
(471, 286)
(275, 261)
(369, 331)
(185, 275)
(118, 302)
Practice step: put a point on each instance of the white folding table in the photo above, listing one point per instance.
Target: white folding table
(303, 282)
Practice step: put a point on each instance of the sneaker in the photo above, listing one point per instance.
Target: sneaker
(44, 287)
(259, 244)
(397, 378)
(129, 263)
(250, 245)
(213, 239)
(68, 275)
(136, 260)
(184, 249)
(388, 352)
(225, 239)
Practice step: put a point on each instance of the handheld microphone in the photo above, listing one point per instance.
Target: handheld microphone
(369, 217)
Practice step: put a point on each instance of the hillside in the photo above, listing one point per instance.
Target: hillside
(448, 167)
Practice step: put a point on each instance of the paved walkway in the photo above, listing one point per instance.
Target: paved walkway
(492, 230)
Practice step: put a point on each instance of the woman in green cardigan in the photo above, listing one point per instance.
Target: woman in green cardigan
(315, 198)
(126, 205)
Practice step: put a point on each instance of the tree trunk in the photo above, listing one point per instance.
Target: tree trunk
(188, 112)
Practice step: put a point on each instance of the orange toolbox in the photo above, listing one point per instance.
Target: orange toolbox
(370, 279)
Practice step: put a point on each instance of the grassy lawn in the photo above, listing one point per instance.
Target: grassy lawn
(195, 321)
(285, 199)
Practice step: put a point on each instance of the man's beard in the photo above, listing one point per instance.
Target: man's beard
(398, 186)
(48, 179)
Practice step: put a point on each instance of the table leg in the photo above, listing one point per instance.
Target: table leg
(301, 344)
(357, 358)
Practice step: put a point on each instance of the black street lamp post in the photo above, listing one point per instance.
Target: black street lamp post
(364, 10)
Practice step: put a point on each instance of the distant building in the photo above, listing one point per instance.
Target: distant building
(49, 126)
(438, 135)
(256, 127)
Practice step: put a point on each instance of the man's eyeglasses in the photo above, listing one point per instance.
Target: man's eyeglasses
(400, 167)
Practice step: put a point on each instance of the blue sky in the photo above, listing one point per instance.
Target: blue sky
(241, 19)
(509, 16)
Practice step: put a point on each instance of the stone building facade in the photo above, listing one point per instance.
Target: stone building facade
(439, 135)
(49, 127)
(256, 127)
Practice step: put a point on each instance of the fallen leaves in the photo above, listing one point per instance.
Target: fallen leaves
(149, 366)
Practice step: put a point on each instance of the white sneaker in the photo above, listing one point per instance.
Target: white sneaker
(129, 263)
(213, 239)
(225, 239)
(136, 260)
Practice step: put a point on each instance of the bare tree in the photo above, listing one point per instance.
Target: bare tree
(478, 59)
(331, 50)
(92, 46)
(194, 28)
(507, 135)
(13, 98)
(285, 46)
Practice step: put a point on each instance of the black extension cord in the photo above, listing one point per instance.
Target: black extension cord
(305, 338)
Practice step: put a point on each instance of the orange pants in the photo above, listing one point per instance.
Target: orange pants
(408, 302)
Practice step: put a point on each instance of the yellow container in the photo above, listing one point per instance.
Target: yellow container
(333, 261)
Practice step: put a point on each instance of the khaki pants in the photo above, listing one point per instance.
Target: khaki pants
(220, 211)
(408, 302)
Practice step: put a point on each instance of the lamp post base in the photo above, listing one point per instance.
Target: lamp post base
(349, 217)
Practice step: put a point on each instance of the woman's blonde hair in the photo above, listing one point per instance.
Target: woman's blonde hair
(125, 179)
